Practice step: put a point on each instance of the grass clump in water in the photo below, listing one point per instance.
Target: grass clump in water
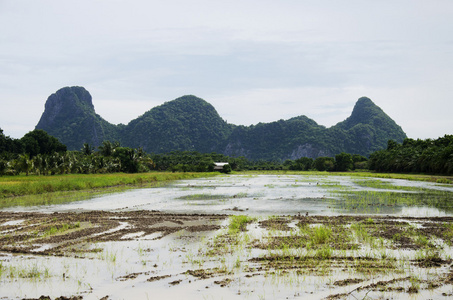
(60, 229)
(27, 272)
(239, 223)
(320, 235)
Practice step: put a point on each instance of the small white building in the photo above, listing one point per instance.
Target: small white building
(219, 165)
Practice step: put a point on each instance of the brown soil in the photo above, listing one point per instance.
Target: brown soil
(67, 234)
(94, 226)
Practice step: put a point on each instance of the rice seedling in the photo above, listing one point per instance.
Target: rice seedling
(320, 235)
(60, 229)
(30, 271)
(239, 223)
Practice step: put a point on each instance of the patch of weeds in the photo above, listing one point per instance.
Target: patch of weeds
(59, 229)
(428, 258)
(448, 233)
(444, 180)
(239, 223)
(415, 285)
(369, 221)
(320, 235)
(324, 253)
(311, 237)
(27, 272)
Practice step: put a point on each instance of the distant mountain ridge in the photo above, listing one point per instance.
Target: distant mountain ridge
(191, 123)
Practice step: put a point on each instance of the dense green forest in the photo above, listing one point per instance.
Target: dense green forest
(415, 156)
(39, 153)
(189, 123)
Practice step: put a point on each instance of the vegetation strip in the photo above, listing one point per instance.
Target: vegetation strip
(36, 185)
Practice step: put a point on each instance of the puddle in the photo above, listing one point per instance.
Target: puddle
(13, 223)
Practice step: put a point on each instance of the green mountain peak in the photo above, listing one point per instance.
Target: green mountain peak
(69, 115)
(191, 123)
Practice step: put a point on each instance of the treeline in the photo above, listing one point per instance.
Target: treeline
(415, 156)
(41, 154)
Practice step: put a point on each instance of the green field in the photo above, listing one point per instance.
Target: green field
(41, 190)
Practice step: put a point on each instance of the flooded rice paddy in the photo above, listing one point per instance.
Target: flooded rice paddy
(236, 237)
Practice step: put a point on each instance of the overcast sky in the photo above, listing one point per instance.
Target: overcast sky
(254, 61)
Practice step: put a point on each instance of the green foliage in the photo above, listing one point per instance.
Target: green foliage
(9, 145)
(39, 142)
(239, 223)
(87, 149)
(185, 124)
(324, 164)
(343, 162)
(129, 159)
(369, 128)
(61, 185)
(226, 169)
(70, 116)
(415, 156)
(192, 124)
(111, 158)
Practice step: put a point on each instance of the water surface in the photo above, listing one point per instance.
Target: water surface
(277, 195)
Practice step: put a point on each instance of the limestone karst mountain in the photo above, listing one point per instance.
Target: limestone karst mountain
(191, 123)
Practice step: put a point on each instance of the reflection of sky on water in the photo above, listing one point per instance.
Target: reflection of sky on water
(250, 194)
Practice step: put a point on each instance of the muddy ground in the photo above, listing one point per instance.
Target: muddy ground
(38, 229)
(364, 275)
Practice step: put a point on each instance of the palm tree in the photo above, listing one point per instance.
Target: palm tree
(24, 164)
(107, 148)
(87, 149)
(3, 166)
(39, 164)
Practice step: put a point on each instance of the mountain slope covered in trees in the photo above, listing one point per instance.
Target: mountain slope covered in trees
(69, 115)
(190, 123)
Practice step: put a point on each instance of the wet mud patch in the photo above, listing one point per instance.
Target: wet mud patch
(206, 273)
(157, 278)
(275, 224)
(58, 298)
(60, 232)
(348, 281)
(362, 253)
(317, 264)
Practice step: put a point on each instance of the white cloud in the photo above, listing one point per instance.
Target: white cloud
(255, 61)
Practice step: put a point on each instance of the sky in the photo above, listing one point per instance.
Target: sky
(253, 60)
